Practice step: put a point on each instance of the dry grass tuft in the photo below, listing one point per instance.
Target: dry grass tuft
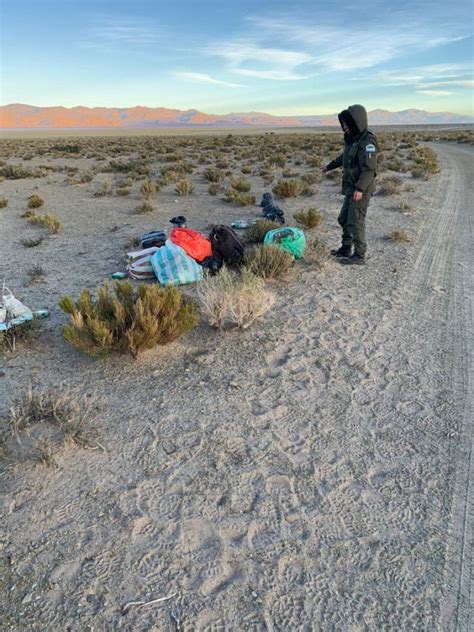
(317, 253)
(309, 219)
(33, 242)
(242, 199)
(43, 421)
(145, 207)
(127, 321)
(35, 274)
(399, 234)
(35, 201)
(148, 188)
(288, 188)
(389, 185)
(234, 299)
(255, 234)
(3, 202)
(269, 262)
(184, 187)
(48, 221)
(24, 334)
(242, 185)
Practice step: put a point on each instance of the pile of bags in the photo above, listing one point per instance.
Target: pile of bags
(182, 257)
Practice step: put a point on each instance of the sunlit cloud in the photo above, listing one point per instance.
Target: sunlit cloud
(198, 77)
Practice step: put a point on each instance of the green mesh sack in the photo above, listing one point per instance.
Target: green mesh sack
(290, 239)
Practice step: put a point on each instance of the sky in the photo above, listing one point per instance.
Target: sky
(221, 56)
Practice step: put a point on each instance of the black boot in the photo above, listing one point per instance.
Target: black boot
(355, 260)
(344, 251)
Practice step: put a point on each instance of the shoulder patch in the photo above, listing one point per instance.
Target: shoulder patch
(370, 149)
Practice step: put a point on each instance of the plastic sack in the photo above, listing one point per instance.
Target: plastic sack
(139, 265)
(290, 239)
(193, 243)
(172, 266)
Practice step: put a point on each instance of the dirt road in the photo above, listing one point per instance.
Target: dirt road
(313, 473)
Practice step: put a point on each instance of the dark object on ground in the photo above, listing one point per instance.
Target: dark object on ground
(270, 210)
(212, 264)
(354, 260)
(226, 245)
(341, 252)
(153, 238)
(179, 221)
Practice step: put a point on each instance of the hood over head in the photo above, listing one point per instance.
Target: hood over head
(355, 117)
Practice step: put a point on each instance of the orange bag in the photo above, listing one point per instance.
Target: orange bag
(193, 243)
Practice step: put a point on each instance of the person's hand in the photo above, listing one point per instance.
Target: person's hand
(357, 197)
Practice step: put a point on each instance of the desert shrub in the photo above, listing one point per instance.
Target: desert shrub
(268, 262)
(246, 169)
(407, 208)
(389, 185)
(43, 421)
(3, 202)
(48, 221)
(184, 187)
(309, 219)
(124, 320)
(425, 159)
(289, 173)
(32, 242)
(316, 252)
(242, 199)
(311, 177)
(214, 188)
(123, 191)
(212, 175)
(102, 188)
(242, 185)
(34, 201)
(23, 333)
(278, 159)
(35, 274)
(145, 207)
(419, 173)
(148, 188)
(287, 188)
(256, 232)
(399, 234)
(234, 299)
(15, 172)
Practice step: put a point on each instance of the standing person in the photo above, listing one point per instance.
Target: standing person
(359, 166)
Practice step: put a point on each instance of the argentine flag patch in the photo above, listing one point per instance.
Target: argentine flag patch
(370, 149)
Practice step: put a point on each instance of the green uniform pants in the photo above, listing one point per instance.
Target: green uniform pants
(352, 220)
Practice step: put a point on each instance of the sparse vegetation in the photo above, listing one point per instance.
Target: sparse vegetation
(214, 188)
(35, 201)
(102, 188)
(184, 187)
(389, 185)
(35, 274)
(232, 299)
(256, 232)
(32, 242)
(309, 219)
(148, 188)
(124, 320)
(399, 234)
(48, 221)
(212, 175)
(268, 262)
(242, 199)
(42, 422)
(145, 207)
(3, 202)
(24, 333)
(242, 185)
(316, 253)
(288, 188)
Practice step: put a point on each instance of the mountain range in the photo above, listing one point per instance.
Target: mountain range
(19, 116)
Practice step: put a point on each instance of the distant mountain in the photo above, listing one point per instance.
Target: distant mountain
(19, 116)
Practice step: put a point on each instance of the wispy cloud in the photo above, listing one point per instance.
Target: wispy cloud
(429, 79)
(120, 33)
(251, 59)
(198, 77)
(434, 93)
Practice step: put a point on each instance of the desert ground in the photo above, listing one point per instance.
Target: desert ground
(312, 472)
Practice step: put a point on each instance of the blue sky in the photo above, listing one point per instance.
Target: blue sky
(278, 57)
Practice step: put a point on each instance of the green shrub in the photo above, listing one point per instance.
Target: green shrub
(268, 262)
(48, 221)
(234, 299)
(125, 321)
(309, 219)
(288, 188)
(184, 187)
(256, 232)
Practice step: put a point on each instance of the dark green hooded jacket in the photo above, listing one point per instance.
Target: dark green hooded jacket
(359, 158)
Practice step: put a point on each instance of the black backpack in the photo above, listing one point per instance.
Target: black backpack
(226, 245)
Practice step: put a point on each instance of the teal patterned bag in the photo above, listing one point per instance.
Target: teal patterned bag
(172, 266)
(290, 239)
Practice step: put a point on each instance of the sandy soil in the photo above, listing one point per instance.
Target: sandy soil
(311, 473)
